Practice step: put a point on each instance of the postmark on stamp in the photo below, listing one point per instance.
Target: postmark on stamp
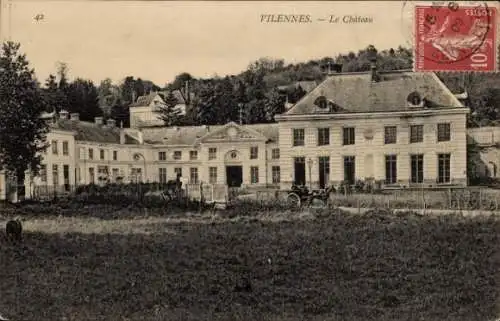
(455, 37)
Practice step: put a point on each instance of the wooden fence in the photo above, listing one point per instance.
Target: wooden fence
(456, 198)
(210, 192)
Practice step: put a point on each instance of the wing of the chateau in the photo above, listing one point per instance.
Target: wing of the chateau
(401, 128)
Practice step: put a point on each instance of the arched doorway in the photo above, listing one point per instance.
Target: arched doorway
(234, 168)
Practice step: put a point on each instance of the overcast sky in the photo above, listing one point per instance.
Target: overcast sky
(157, 40)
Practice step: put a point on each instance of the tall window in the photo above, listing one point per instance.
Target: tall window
(193, 154)
(324, 170)
(298, 137)
(101, 153)
(55, 175)
(115, 155)
(416, 134)
(323, 136)
(178, 171)
(162, 175)
(65, 146)
(417, 168)
(254, 152)
(43, 173)
(348, 136)
(102, 172)
(92, 175)
(193, 175)
(276, 174)
(254, 174)
(136, 174)
(391, 176)
(212, 153)
(212, 175)
(115, 172)
(162, 156)
(444, 168)
(91, 153)
(275, 153)
(54, 147)
(443, 133)
(66, 177)
(390, 135)
(177, 155)
(349, 169)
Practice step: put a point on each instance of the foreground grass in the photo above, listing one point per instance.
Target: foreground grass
(335, 267)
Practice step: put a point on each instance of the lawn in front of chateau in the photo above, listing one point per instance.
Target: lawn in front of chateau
(301, 266)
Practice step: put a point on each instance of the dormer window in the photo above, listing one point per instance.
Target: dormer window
(321, 102)
(414, 99)
(333, 107)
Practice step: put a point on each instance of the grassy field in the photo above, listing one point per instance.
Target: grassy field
(302, 266)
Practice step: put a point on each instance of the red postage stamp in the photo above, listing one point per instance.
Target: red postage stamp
(455, 38)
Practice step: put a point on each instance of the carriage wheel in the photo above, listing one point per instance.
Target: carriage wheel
(293, 200)
(317, 202)
(166, 197)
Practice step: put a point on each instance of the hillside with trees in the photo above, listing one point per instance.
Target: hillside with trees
(253, 96)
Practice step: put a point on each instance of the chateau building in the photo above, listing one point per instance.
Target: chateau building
(145, 110)
(402, 128)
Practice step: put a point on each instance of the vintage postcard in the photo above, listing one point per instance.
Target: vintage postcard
(249, 160)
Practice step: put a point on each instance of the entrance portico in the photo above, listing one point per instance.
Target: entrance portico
(234, 168)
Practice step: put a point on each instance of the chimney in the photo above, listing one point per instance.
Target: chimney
(63, 114)
(98, 120)
(122, 136)
(372, 57)
(110, 122)
(140, 137)
(74, 116)
(336, 68)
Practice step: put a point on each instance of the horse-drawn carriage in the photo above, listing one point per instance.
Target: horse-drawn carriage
(172, 191)
(299, 196)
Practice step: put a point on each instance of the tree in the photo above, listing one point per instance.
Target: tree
(128, 95)
(62, 73)
(22, 131)
(120, 113)
(180, 81)
(275, 104)
(108, 94)
(266, 64)
(168, 113)
(84, 99)
(54, 97)
(206, 108)
(139, 87)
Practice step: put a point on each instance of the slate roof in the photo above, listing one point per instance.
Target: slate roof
(146, 100)
(87, 131)
(356, 93)
(187, 135)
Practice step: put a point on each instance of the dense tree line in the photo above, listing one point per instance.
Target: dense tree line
(251, 96)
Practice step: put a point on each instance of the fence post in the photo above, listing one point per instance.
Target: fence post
(201, 197)
(480, 198)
